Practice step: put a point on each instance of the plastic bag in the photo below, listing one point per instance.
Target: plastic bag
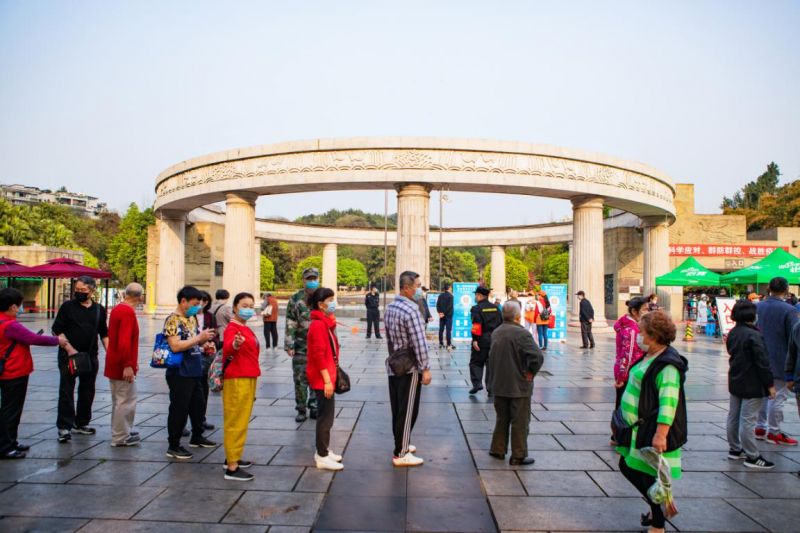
(660, 492)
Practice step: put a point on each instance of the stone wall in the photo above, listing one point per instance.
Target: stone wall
(34, 292)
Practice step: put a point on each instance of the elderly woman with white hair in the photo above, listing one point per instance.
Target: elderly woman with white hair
(514, 359)
(122, 364)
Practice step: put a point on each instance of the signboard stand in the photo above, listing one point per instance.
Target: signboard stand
(463, 300)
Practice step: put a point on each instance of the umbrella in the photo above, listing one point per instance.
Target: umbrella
(64, 267)
(778, 263)
(11, 268)
(689, 273)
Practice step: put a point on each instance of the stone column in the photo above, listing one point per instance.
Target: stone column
(413, 252)
(238, 272)
(572, 310)
(171, 226)
(257, 271)
(656, 256)
(329, 266)
(588, 260)
(498, 281)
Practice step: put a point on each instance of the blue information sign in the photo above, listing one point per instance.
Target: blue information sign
(433, 325)
(557, 294)
(463, 300)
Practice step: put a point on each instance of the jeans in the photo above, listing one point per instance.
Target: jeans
(326, 410)
(771, 414)
(271, 331)
(13, 393)
(541, 333)
(123, 409)
(513, 413)
(185, 401)
(742, 424)
(446, 331)
(68, 417)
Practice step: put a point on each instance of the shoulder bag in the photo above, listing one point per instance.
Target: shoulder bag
(342, 384)
(401, 361)
(163, 356)
(80, 363)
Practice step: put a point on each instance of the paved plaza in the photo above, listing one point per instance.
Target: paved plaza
(86, 485)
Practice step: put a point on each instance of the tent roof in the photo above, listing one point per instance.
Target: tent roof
(11, 268)
(64, 267)
(778, 263)
(689, 273)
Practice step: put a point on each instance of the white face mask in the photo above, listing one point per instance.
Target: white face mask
(640, 342)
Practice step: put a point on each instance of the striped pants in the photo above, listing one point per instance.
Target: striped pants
(404, 394)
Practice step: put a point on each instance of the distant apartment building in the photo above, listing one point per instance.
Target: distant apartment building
(25, 195)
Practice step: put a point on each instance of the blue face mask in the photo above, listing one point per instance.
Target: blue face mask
(193, 310)
(21, 310)
(312, 284)
(418, 294)
(331, 308)
(246, 313)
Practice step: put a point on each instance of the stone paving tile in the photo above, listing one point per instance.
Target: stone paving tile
(374, 514)
(501, 483)
(275, 508)
(385, 483)
(433, 484)
(314, 480)
(257, 453)
(20, 524)
(141, 526)
(44, 470)
(74, 501)
(120, 473)
(559, 484)
(775, 515)
(52, 449)
(193, 505)
(211, 476)
(710, 514)
(452, 514)
(545, 460)
(483, 441)
(146, 451)
(710, 485)
(768, 484)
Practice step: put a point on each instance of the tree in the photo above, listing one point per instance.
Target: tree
(311, 261)
(281, 257)
(374, 265)
(127, 251)
(749, 195)
(516, 274)
(456, 266)
(351, 273)
(556, 268)
(267, 274)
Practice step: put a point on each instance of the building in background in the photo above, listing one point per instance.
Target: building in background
(81, 203)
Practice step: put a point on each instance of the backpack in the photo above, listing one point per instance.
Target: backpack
(216, 372)
(545, 314)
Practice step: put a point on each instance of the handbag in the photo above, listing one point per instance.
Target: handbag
(401, 361)
(622, 431)
(163, 356)
(342, 384)
(80, 363)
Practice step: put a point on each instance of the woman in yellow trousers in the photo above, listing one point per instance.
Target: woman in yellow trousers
(240, 349)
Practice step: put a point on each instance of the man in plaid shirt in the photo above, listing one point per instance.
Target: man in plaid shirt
(406, 329)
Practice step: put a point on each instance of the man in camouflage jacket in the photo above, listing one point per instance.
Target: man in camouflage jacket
(298, 318)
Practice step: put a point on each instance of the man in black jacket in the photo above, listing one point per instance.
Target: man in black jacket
(485, 318)
(444, 306)
(373, 301)
(514, 360)
(586, 317)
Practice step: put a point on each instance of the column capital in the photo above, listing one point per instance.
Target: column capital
(587, 202)
(171, 214)
(413, 189)
(241, 197)
(654, 221)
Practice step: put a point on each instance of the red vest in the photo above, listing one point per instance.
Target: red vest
(19, 362)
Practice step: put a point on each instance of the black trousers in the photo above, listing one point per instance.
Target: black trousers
(271, 331)
(586, 334)
(477, 360)
(68, 416)
(12, 400)
(207, 360)
(642, 482)
(513, 414)
(326, 411)
(446, 326)
(373, 321)
(404, 394)
(185, 401)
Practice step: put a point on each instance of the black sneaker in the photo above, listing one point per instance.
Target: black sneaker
(84, 430)
(201, 442)
(475, 389)
(179, 452)
(238, 475)
(134, 433)
(242, 464)
(64, 435)
(759, 463)
(733, 455)
(301, 417)
(132, 440)
(21, 447)
(13, 454)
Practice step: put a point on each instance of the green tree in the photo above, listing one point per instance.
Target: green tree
(749, 195)
(280, 255)
(351, 273)
(308, 262)
(556, 268)
(127, 251)
(267, 274)
(456, 266)
(374, 264)
(516, 274)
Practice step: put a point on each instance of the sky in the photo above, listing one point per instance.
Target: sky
(101, 96)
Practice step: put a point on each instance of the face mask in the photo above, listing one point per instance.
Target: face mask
(331, 308)
(640, 343)
(418, 293)
(246, 313)
(81, 296)
(193, 310)
(312, 284)
(21, 310)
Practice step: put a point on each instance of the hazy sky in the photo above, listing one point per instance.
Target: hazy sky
(101, 96)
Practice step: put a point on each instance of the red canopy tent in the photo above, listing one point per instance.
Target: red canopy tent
(11, 268)
(64, 268)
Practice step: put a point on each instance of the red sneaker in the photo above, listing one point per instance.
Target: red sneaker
(781, 438)
(761, 433)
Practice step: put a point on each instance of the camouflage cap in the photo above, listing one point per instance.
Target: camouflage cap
(311, 273)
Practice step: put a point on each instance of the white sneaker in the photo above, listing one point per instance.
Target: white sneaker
(412, 448)
(327, 463)
(335, 456)
(408, 459)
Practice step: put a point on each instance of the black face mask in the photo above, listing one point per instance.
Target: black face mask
(81, 297)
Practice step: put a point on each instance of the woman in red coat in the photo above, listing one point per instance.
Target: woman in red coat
(323, 355)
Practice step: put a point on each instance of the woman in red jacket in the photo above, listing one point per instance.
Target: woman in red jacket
(240, 349)
(15, 352)
(323, 355)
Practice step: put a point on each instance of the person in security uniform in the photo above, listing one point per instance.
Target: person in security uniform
(486, 317)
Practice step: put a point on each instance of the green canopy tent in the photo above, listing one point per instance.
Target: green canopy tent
(690, 273)
(778, 263)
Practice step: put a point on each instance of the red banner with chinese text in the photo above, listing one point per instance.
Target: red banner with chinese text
(722, 250)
